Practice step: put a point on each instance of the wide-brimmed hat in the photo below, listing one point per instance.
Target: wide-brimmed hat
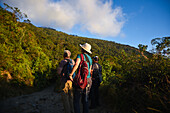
(86, 47)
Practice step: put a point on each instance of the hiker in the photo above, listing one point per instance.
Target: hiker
(96, 80)
(66, 83)
(78, 92)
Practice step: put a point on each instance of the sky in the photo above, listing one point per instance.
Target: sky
(129, 22)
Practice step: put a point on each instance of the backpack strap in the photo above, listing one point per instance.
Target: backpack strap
(82, 57)
(69, 60)
(87, 59)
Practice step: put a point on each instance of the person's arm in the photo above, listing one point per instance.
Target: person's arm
(73, 62)
(91, 70)
(74, 68)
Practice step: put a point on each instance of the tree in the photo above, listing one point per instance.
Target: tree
(162, 45)
(17, 14)
(142, 48)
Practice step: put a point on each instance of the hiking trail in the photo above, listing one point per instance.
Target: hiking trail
(45, 101)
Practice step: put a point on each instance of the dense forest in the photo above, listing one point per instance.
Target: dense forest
(134, 80)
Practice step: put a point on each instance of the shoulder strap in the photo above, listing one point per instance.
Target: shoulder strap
(87, 59)
(82, 57)
(67, 60)
(70, 60)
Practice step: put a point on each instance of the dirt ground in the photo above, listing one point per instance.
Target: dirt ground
(46, 101)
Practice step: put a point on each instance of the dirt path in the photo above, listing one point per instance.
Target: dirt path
(46, 101)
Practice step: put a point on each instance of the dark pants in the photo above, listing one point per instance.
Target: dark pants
(94, 93)
(78, 93)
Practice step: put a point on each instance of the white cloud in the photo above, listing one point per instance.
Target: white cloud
(95, 16)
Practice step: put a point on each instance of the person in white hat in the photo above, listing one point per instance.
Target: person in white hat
(86, 51)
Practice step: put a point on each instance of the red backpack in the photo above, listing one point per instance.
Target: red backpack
(80, 79)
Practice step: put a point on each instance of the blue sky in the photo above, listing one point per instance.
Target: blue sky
(129, 22)
(146, 19)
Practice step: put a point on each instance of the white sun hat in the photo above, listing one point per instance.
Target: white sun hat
(86, 47)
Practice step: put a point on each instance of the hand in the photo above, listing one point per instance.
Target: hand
(71, 78)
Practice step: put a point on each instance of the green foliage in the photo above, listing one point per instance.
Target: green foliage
(142, 47)
(141, 85)
(20, 52)
(162, 45)
(107, 72)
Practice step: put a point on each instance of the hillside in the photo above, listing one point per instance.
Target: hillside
(27, 50)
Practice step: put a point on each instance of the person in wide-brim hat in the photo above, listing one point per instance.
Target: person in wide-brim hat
(86, 47)
(84, 56)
